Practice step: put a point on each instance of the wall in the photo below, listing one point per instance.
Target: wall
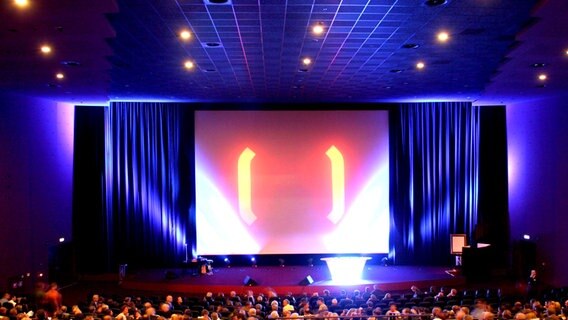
(538, 181)
(36, 163)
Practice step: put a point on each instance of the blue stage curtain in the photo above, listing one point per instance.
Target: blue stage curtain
(434, 152)
(147, 217)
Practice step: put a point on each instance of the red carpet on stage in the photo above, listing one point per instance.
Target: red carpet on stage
(288, 279)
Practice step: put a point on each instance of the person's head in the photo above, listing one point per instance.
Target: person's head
(252, 312)
(533, 273)
(164, 307)
(285, 302)
(488, 316)
(124, 310)
(169, 299)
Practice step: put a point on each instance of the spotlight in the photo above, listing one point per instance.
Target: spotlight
(542, 77)
(307, 61)
(61, 240)
(526, 237)
(185, 35)
(189, 64)
(310, 262)
(253, 261)
(227, 262)
(420, 65)
(281, 262)
(60, 76)
(45, 49)
(443, 36)
(318, 29)
(21, 3)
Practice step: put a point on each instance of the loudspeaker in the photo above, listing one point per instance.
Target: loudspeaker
(307, 281)
(170, 275)
(248, 281)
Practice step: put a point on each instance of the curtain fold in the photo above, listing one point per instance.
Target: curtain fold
(434, 179)
(146, 219)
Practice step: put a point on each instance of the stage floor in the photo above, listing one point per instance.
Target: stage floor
(287, 279)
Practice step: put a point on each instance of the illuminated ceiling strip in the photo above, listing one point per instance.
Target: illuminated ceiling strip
(245, 186)
(337, 184)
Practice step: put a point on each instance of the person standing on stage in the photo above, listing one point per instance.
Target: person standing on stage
(532, 285)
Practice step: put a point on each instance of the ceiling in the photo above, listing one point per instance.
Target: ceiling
(252, 50)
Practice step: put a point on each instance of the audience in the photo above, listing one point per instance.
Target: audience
(343, 305)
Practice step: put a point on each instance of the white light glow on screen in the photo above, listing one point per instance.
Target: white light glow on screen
(289, 182)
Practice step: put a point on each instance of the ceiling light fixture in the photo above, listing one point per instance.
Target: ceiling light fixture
(318, 29)
(21, 3)
(307, 61)
(420, 65)
(189, 64)
(45, 49)
(443, 36)
(59, 76)
(410, 45)
(434, 3)
(185, 35)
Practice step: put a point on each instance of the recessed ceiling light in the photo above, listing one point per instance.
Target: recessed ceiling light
(538, 65)
(189, 64)
(542, 77)
(21, 3)
(59, 76)
(185, 35)
(45, 49)
(566, 52)
(443, 36)
(435, 3)
(307, 61)
(420, 65)
(212, 44)
(70, 63)
(318, 29)
(217, 2)
(410, 46)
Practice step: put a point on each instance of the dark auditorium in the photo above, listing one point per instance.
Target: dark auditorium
(283, 159)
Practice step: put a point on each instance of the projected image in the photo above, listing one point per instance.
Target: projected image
(288, 182)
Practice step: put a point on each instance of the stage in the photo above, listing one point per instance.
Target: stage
(283, 279)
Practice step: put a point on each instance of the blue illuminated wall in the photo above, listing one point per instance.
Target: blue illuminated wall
(538, 181)
(36, 161)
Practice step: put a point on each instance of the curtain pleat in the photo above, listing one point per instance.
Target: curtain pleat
(434, 179)
(144, 216)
